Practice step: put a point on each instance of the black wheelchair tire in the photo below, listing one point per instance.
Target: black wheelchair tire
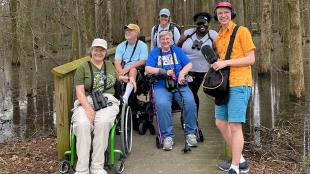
(201, 138)
(64, 166)
(120, 166)
(142, 127)
(126, 129)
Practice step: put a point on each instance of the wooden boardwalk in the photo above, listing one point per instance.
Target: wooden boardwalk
(146, 158)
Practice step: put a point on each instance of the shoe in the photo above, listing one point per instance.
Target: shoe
(191, 140)
(232, 171)
(98, 171)
(168, 143)
(225, 165)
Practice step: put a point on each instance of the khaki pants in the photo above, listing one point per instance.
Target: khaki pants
(82, 129)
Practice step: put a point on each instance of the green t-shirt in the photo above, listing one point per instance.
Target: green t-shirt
(83, 77)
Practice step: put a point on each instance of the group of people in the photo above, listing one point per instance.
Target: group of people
(173, 56)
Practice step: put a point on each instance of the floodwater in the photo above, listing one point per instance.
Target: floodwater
(27, 102)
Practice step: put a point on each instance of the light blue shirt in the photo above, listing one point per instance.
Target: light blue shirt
(122, 53)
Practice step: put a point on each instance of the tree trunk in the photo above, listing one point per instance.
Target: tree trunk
(240, 10)
(109, 21)
(75, 44)
(306, 17)
(266, 22)
(15, 43)
(89, 15)
(285, 21)
(296, 73)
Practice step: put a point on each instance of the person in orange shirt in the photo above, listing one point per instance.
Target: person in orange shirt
(230, 116)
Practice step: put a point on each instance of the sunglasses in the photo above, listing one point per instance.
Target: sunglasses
(164, 16)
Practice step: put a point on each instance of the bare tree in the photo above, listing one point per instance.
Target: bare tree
(285, 27)
(266, 22)
(15, 43)
(296, 72)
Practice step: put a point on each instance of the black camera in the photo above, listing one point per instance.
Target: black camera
(99, 100)
(171, 84)
(197, 44)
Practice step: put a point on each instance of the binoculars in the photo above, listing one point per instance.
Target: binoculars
(197, 44)
(99, 100)
(171, 84)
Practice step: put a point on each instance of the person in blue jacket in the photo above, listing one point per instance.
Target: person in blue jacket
(170, 65)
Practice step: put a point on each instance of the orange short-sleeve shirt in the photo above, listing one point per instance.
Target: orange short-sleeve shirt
(239, 76)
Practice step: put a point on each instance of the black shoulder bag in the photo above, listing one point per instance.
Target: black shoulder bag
(216, 83)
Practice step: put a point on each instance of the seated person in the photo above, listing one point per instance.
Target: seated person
(170, 62)
(130, 55)
(94, 76)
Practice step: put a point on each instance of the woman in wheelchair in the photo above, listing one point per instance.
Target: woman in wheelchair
(170, 65)
(95, 109)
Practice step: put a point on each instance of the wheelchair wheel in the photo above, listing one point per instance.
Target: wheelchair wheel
(152, 129)
(200, 137)
(126, 129)
(158, 144)
(64, 166)
(142, 127)
(119, 167)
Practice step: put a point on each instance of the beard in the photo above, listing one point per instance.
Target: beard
(127, 37)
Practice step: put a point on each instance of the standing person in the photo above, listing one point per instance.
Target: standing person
(94, 76)
(129, 55)
(191, 42)
(170, 62)
(164, 24)
(230, 116)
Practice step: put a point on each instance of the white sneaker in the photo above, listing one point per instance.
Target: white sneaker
(191, 140)
(168, 143)
(98, 171)
(87, 172)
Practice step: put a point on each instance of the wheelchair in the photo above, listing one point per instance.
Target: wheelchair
(122, 126)
(142, 119)
(175, 109)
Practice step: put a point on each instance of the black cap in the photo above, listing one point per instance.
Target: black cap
(202, 17)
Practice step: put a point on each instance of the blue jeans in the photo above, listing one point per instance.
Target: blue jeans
(163, 101)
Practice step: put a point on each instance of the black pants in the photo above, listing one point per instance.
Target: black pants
(195, 85)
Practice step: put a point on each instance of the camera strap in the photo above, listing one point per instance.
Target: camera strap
(172, 55)
(134, 49)
(92, 75)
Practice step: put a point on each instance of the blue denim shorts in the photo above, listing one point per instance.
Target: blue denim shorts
(236, 107)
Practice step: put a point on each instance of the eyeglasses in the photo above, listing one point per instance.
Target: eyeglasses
(129, 30)
(224, 13)
(164, 16)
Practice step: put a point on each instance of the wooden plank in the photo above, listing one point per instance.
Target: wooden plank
(64, 103)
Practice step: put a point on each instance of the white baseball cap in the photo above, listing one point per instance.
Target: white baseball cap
(99, 43)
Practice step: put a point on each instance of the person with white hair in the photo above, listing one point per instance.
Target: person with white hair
(96, 75)
(170, 65)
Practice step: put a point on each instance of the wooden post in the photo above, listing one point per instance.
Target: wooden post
(64, 103)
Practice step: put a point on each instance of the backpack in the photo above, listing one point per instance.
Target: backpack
(172, 25)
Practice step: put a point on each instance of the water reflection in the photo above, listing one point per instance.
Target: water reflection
(271, 104)
(27, 100)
